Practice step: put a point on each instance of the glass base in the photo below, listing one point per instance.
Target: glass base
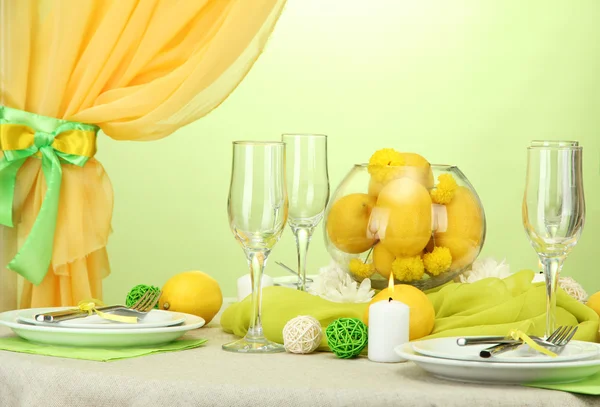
(254, 345)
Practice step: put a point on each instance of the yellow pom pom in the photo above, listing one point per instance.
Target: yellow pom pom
(445, 189)
(383, 162)
(361, 269)
(408, 268)
(438, 261)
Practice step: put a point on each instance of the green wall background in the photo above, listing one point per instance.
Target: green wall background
(461, 82)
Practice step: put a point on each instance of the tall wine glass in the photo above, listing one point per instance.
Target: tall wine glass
(258, 209)
(308, 189)
(553, 209)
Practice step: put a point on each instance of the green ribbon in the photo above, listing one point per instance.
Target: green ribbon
(16, 128)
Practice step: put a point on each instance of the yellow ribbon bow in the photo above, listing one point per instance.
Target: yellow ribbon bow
(90, 305)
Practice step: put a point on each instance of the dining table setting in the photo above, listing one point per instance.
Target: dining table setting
(377, 326)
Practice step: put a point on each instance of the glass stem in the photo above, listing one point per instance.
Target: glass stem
(257, 261)
(303, 235)
(552, 267)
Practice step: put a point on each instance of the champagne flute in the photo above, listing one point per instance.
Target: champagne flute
(308, 190)
(258, 209)
(553, 209)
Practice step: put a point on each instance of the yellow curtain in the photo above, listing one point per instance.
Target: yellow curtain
(139, 69)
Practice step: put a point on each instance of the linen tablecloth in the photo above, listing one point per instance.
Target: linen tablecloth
(208, 376)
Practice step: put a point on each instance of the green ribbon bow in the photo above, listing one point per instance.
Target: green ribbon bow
(24, 135)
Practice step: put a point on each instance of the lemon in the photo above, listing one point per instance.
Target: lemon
(465, 228)
(192, 292)
(422, 313)
(402, 217)
(594, 302)
(415, 167)
(347, 223)
(382, 260)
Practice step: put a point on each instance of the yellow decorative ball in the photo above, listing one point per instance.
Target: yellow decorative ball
(408, 268)
(422, 313)
(437, 261)
(192, 292)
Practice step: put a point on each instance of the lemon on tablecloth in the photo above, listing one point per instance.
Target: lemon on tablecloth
(192, 292)
(422, 313)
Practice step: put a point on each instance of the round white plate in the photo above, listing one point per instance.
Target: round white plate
(99, 338)
(502, 373)
(154, 319)
(447, 348)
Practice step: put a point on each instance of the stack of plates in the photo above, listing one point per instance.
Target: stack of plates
(443, 358)
(157, 327)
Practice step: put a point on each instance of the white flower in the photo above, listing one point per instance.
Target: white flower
(334, 284)
(485, 268)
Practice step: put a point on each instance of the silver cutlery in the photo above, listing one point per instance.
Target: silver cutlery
(290, 270)
(482, 340)
(558, 340)
(141, 308)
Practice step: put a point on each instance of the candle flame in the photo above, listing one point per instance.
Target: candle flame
(391, 284)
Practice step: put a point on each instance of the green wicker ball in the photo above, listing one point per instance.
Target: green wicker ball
(136, 293)
(347, 337)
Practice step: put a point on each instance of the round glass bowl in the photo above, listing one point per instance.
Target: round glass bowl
(423, 225)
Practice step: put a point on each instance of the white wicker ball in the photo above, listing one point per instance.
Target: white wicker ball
(573, 288)
(302, 334)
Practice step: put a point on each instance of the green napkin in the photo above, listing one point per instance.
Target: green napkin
(487, 307)
(16, 344)
(590, 386)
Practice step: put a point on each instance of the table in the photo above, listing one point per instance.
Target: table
(208, 376)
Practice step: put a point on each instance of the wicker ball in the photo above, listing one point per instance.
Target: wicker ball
(137, 292)
(573, 288)
(347, 337)
(302, 334)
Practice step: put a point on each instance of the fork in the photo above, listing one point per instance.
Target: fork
(141, 308)
(558, 340)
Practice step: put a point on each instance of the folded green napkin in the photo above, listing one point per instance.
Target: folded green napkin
(16, 344)
(487, 307)
(590, 386)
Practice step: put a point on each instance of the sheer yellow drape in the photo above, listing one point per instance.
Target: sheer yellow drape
(139, 69)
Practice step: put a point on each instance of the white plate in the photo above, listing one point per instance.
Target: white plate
(448, 349)
(502, 373)
(154, 319)
(100, 338)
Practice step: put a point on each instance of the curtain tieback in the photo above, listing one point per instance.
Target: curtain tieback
(55, 142)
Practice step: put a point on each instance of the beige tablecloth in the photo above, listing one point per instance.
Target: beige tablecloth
(208, 376)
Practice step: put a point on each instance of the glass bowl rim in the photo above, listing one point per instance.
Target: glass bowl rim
(438, 166)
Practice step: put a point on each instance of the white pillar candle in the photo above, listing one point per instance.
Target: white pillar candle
(244, 285)
(388, 328)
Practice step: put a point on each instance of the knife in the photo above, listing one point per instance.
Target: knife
(498, 349)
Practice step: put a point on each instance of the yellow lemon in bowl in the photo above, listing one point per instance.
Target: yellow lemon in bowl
(348, 221)
(401, 219)
(415, 167)
(422, 313)
(192, 292)
(464, 228)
